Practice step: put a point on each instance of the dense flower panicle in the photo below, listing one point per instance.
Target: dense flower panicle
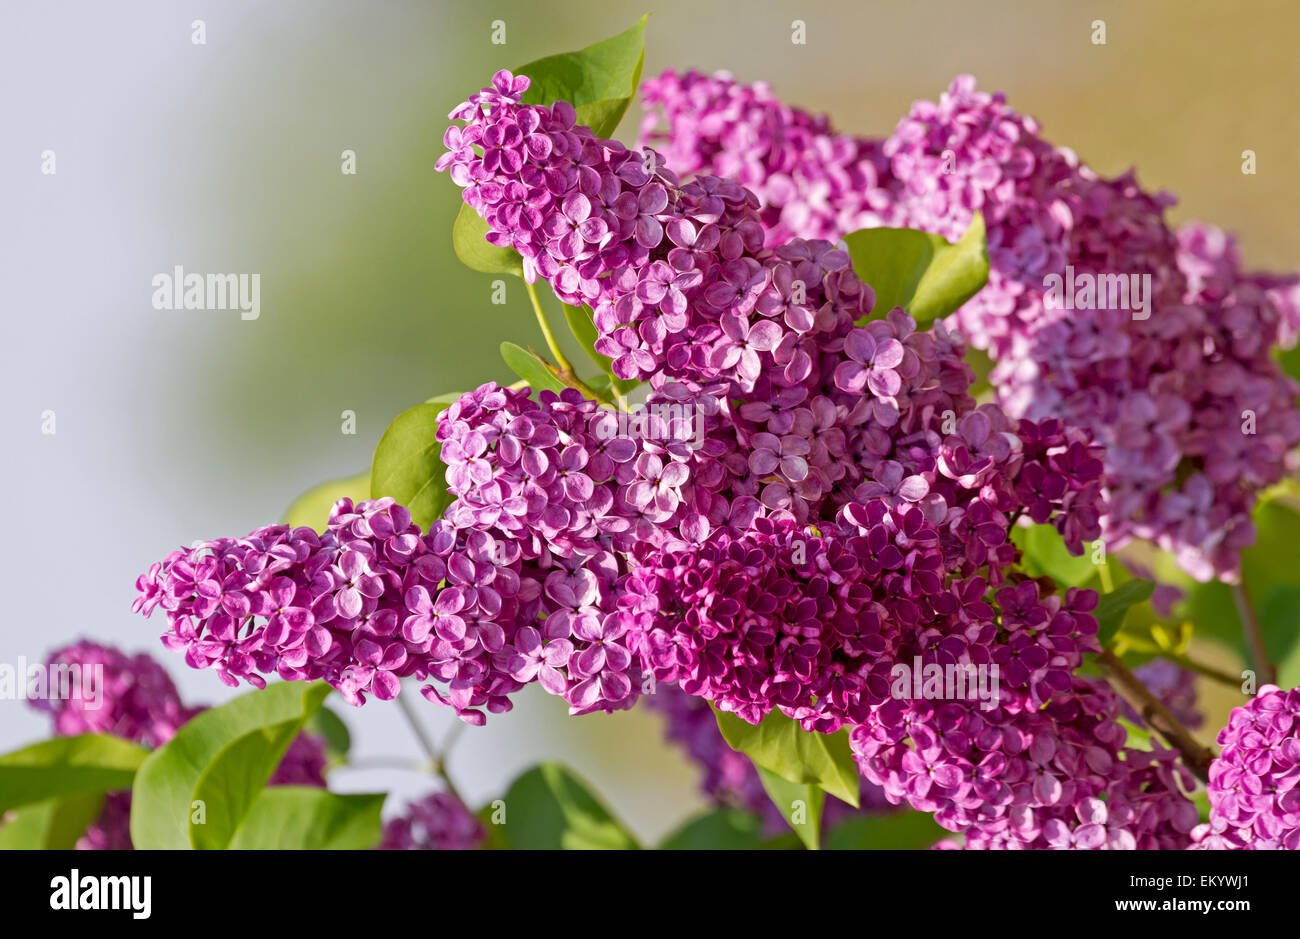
(688, 297)
(781, 618)
(810, 181)
(128, 696)
(1254, 799)
(361, 606)
(437, 822)
(1019, 777)
(1167, 396)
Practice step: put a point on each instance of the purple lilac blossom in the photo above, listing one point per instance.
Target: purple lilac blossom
(1254, 801)
(436, 822)
(1167, 396)
(1172, 686)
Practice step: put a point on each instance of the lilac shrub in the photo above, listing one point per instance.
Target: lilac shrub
(849, 504)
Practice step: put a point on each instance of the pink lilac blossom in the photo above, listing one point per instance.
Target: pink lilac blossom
(1172, 686)
(810, 181)
(135, 698)
(1254, 801)
(140, 703)
(1021, 777)
(437, 822)
(768, 335)
(351, 606)
(1167, 396)
(848, 508)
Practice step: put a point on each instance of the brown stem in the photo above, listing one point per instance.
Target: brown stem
(1157, 716)
(1254, 635)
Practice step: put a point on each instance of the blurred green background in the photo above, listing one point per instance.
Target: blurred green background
(226, 157)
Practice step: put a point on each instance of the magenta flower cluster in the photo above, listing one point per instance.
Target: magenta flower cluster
(1018, 776)
(139, 702)
(848, 508)
(811, 181)
(1194, 414)
(436, 822)
(1174, 687)
(1254, 797)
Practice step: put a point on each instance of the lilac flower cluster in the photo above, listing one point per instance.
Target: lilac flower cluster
(1021, 777)
(848, 508)
(1168, 397)
(1254, 800)
(437, 822)
(1172, 686)
(810, 181)
(351, 606)
(140, 703)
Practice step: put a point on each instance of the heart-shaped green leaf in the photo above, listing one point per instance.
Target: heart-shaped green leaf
(304, 818)
(800, 804)
(781, 746)
(549, 808)
(922, 273)
(408, 465)
(164, 793)
(66, 766)
(531, 367)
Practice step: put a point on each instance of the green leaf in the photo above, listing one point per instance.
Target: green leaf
(312, 508)
(1139, 737)
(549, 808)
(165, 787)
(445, 400)
(718, 829)
(584, 331)
(305, 818)
(331, 728)
(895, 831)
(469, 241)
(600, 81)
(781, 746)
(52, 825)
(1113, 606)
(531, 367)
(1279, 622)
(66, 766)
(800, 804)
(233, 781)
(1043, 551)
(408, 465)
(921, 272)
